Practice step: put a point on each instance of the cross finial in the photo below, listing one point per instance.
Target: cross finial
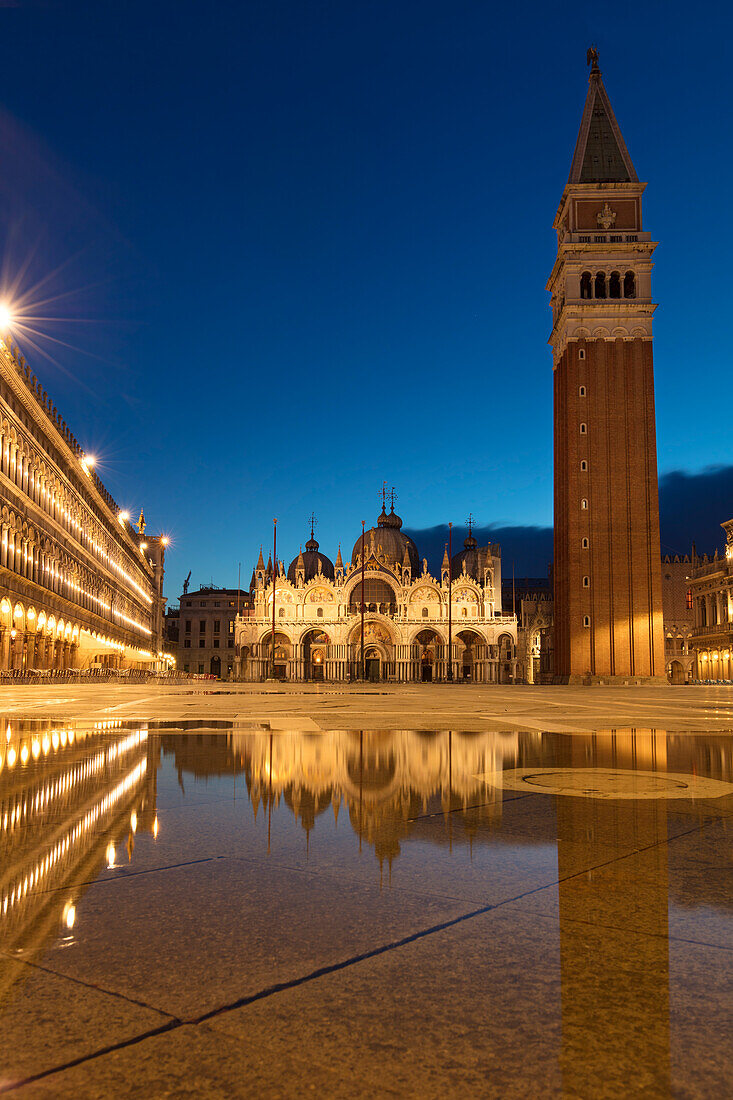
(392, 497)
(469, 524)
(313, 522)
(383, 495)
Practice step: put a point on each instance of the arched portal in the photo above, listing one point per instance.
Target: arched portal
(315, 650)
(215, 666)
(430, 647)
(676, 673)
(283, 654)
(468, 653)
(506, 658)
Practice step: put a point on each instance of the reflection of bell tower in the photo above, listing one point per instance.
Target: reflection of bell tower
(608, 602)
(615, 983)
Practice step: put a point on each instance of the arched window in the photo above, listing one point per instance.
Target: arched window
(614, 286)
(584, 544)
(425, 613)
(688, 603)
(583, 429)
(584, 504)
(581, 391)
(581, 353)
(601, 284)
(586, 289)
(629, 285)
(586, 582)
(281, 613)
(586, 620)
(464, 612)
(583, 466)
(319, 613)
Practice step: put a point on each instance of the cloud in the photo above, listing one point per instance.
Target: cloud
(691, 508)
(530, 548)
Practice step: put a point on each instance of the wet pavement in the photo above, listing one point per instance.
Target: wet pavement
(224, 907)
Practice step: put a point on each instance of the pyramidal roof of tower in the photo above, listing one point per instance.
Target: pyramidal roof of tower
(600, 154)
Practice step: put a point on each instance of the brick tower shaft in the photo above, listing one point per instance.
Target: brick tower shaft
(608, 599)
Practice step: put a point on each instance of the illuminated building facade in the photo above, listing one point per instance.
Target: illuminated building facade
(79, 586)
(608, 597)
(318, 615)
(204, 629)
(711, 589)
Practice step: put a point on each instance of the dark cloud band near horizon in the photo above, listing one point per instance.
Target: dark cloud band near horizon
(691, 508)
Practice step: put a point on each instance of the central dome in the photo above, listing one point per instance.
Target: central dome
(389, 536)
(311, 562)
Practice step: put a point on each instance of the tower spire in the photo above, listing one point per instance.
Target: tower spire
(600, 153)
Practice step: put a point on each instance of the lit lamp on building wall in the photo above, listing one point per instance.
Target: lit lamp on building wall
(6, 317)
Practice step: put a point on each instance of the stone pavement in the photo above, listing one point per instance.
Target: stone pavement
(466, 707)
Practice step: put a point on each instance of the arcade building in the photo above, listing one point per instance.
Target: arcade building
(415, 627)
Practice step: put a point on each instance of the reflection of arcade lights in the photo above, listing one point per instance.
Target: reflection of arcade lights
(66, 843)
(69, 915)
(110, 855)
(38, 799)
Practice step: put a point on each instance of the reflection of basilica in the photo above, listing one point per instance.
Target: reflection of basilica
(384, 779)
(318, 612)
(71, 803)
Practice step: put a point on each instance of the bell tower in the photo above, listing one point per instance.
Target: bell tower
(608, 598)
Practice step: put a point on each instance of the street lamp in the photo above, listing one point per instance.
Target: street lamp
(6, 316)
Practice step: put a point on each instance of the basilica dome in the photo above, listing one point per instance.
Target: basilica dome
(389, 536)
(476, 558)
(312, 562)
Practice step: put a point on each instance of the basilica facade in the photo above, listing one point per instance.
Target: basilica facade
(380, 616)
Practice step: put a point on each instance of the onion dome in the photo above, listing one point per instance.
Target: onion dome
(477, 558)
(389, 536)
(312, 562)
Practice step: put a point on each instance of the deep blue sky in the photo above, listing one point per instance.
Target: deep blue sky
(299, 248)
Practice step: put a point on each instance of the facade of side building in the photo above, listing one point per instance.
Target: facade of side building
(679, 618)
(201, 633)
(80, 588)
(533, 599)
(711, 588)
(415, 627)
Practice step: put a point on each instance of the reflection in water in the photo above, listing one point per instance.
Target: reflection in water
(74, 798)
(71, 802)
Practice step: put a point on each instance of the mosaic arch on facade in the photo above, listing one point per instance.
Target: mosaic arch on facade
(318, 615)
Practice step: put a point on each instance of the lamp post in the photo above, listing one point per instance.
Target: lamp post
(363, 665)
(450, 603)
(274, 575)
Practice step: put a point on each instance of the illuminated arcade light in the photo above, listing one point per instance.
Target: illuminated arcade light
(124, 517)
(165, 540)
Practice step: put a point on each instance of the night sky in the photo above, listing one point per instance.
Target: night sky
(272, 254)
